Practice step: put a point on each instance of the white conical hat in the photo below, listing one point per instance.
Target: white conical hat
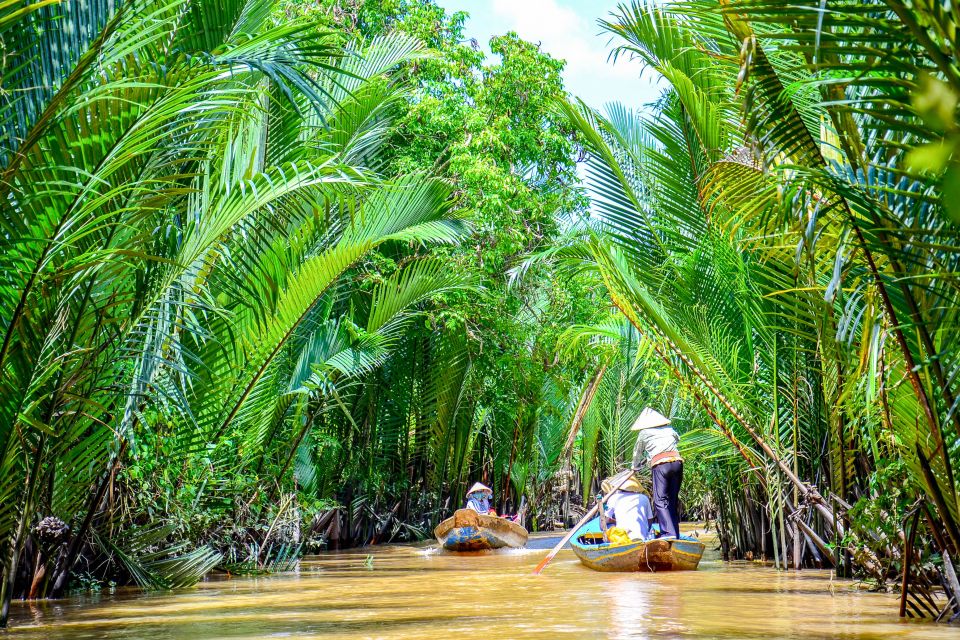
(650, 418)
(477, 486)
(632, 485)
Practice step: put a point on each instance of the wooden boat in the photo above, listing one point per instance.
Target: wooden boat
(468, 530)
(660, 554)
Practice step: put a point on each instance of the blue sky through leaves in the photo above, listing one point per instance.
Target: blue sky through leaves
(566, 29)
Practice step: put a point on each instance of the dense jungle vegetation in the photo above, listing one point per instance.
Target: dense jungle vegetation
(279, 276)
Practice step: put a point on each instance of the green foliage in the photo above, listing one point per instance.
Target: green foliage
(282, 274)
(182, 213)
(258, 250)
(780, 229)
(469, 405)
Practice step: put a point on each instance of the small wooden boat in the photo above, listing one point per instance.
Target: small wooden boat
(468, 530)
(660, 554)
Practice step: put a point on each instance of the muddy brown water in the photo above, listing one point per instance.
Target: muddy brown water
(420, 592)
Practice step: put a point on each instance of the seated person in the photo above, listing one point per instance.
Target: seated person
(478, 499)
(630, 508)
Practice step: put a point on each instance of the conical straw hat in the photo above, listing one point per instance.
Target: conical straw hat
(632, 485)
(650, 418)
(477, 486)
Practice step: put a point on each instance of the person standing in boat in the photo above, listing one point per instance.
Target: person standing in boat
(629, 507)
(657, 444)
(478, 499)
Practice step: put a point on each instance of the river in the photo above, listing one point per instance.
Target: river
(420, 592)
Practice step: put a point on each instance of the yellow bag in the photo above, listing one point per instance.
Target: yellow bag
(616, 535)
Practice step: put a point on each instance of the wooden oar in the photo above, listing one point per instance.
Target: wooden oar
(589, 514)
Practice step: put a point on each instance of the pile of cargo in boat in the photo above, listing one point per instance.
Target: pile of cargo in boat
(468, 530)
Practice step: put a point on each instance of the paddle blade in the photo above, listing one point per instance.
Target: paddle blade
(543, 563)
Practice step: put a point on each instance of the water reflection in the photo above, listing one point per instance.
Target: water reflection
(409, 592)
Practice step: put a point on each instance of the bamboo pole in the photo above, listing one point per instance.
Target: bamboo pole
(817, 541)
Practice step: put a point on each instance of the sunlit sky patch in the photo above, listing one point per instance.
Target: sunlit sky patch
(566, 29)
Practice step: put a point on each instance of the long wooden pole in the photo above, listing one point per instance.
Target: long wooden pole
(593, 510)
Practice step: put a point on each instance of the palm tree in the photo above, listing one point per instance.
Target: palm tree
(780, 235)
(185, 189)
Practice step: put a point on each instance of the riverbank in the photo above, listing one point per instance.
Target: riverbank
(418, 592)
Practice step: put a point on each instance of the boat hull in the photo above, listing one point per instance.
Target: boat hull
(661, 554)
(468, 530)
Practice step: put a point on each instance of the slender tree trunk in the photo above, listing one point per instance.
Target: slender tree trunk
(26, 515)
(62, 574)
(582, 407)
